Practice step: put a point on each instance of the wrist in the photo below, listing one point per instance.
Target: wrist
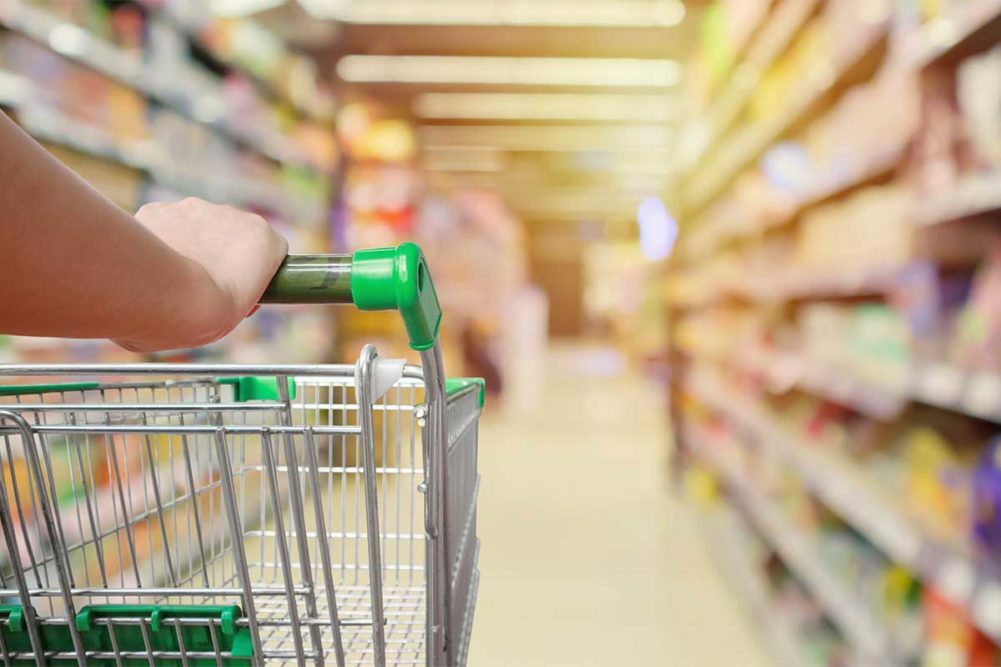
(206, 312)
(192, 311)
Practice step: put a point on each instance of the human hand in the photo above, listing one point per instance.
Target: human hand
(232, 256)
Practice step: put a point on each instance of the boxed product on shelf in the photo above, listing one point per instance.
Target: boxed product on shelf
(878, 345)
(978, 90)
(119, 183)
(75, 92)
(871, 125)
(121, 24)
(960, 138)
(977, 336)
(986, 501)
(950, 636)
(842, 236)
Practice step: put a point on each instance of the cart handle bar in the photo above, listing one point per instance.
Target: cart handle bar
(375, 279)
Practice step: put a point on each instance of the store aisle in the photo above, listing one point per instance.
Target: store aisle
(587, 558)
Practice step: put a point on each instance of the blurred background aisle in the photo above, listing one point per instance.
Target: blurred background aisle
(592, 561)
(731, 269)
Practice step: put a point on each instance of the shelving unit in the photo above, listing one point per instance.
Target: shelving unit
(63, 131)
(266, 88)
(973, 393)
(718, 526)
(949, 42)
(870, 642)
(973, 585)
(763, 46)
(745, 292)
(973, 197)
(743, 150)
(80, 46)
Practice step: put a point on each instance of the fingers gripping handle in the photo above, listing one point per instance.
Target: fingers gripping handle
(377, 279)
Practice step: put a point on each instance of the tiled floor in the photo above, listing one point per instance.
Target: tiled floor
(587, 557)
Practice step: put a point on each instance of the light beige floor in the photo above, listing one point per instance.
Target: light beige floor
(587, 558)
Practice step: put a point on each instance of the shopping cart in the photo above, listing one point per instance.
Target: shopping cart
(194, 515)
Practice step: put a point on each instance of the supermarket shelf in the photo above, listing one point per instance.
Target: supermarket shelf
(797, 285)
(975, 393)
(976, 29)
(91, 51)
(145, 157)
(865, 173)
(777, 34)
(718, 526)
(744, 150)
(14, 89)
(741, 47)
(784, 370)
(972, 197)
(971, 392)
(852, 618)
(266, 88)
(875, 170)
(976, 586)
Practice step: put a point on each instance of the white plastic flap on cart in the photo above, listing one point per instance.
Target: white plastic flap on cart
(386, 373)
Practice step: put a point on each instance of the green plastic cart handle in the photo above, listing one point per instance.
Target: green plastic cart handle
(377, 279)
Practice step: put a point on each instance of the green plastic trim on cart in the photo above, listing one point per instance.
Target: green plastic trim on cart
(12, 616)
(455, 385)
(14, 631)
(18, 389)
(162, 634)
(398, 279)
(256, 388)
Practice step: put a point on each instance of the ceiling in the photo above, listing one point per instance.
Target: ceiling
(583, 137)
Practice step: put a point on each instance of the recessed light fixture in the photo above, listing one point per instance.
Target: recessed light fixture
(492, 70)
(546, 106)
(551, 138)
(569, 13)
(235, 8)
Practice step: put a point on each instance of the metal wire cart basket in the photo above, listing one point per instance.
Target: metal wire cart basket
(191, 515)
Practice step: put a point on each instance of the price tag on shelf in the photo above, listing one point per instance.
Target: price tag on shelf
(940, 384)
(983, 395)
(956, 579)
(987, 609)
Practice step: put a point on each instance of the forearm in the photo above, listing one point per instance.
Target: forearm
(76, 265)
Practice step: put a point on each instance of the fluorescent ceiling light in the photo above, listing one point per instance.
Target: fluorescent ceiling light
(544, 106)
(487, 70)
(234, 8)
(544, 138)
(651, 153)
(570, 13)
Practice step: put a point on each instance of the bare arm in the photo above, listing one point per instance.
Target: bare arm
(73, 264)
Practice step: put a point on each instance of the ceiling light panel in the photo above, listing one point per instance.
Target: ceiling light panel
(544, 106)
(235, 8)
(545, 138)
(569, 13)
(492, 70)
